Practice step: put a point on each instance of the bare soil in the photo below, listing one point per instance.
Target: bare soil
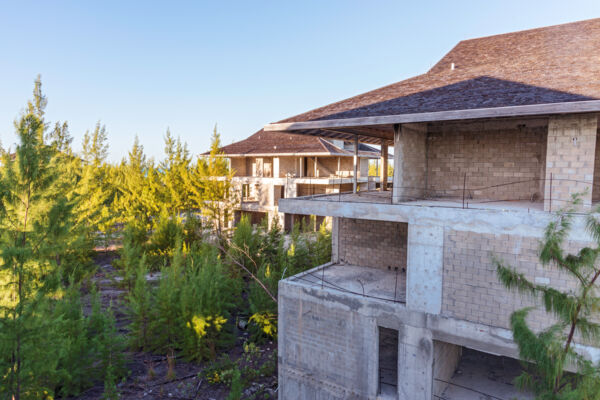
(147, 372)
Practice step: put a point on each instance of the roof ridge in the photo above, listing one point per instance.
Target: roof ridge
(541, 28)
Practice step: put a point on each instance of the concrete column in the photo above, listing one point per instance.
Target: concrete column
(275, 167)
(384, 166)
(415, 363)
(570, 154)
(355, 177)
(410, 162)
(335, 237)
(424, 268)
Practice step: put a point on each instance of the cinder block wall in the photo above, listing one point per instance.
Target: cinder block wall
(325, 351)
(471, 289)
(239, 166)
(410, 162)
(570, 158)
(596, 189)
(489, 154)
(369, 243)
(446, 357)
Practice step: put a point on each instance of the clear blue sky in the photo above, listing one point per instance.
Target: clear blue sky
(140, 67)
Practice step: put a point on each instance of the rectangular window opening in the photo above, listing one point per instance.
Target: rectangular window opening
(388, 363)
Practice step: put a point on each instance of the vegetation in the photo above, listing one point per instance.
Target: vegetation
(191, 281)
(46, 342)
(552, 351)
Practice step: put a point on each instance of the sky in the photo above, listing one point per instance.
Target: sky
(142, 67)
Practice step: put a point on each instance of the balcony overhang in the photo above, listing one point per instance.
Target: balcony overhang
(378, 129)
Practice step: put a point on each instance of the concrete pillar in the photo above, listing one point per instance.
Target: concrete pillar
(410, 162)
(355, 177)
(275, 167)
(384, 166)
(335, 237)
(424, 268)
(415, 363)
(570, 154)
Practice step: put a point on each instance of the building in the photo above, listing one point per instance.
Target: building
(269, 166)
(495, 136)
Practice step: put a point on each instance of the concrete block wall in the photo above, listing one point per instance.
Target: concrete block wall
(489, 155)
(369, 243)
(410, 162)
(238, 164)
(471, 289)
(596, 188)
(325, 350)
(446, 357)
(570, 158)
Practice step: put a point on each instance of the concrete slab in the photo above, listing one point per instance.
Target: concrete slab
(359, 280)
(450, 202)
(484, 376)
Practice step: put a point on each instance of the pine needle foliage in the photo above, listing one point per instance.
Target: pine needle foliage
(48, 346)
(209, 183)
(552, 350)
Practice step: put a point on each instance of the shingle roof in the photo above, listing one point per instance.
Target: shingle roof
(546, 65)
(273, 143)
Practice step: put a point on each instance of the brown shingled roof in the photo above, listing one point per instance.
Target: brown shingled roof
(554, 64)
(274, 143)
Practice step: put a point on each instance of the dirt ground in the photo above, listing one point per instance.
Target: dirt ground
(147, 372)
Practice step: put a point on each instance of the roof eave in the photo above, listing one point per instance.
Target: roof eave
(453, 115)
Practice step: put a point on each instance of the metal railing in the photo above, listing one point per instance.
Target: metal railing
(536, 193)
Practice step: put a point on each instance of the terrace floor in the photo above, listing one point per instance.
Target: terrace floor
(382, 284)
(378, 197)
(484, 376)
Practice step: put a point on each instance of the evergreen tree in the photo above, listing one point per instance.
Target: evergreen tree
(551, 351)
(138, 186)
(174, 170)
(95, 189)
(210, 186)
(35, 223)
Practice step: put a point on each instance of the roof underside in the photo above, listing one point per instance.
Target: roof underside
(275, 143)
(542, 71)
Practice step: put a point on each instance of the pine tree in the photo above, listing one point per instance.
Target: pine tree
(35, 223)
(95, 188)
(551, 351)
(174, 170)
(139, 187)
(210, 185)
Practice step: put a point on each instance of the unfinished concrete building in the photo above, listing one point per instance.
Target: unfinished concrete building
(269, 166)
(497, 135)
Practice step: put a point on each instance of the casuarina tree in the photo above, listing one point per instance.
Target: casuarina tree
(551, 352)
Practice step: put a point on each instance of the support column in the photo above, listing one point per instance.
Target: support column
(415, 363)
(355, 177)
(384, 166)
(410, 162)
(424, 268)
(570, 155)
(316, 168)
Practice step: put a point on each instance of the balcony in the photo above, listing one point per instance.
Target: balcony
(374, 283)
(378, 197)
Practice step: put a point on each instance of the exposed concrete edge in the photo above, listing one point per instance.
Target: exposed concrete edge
(488, 339)
(488, 221)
